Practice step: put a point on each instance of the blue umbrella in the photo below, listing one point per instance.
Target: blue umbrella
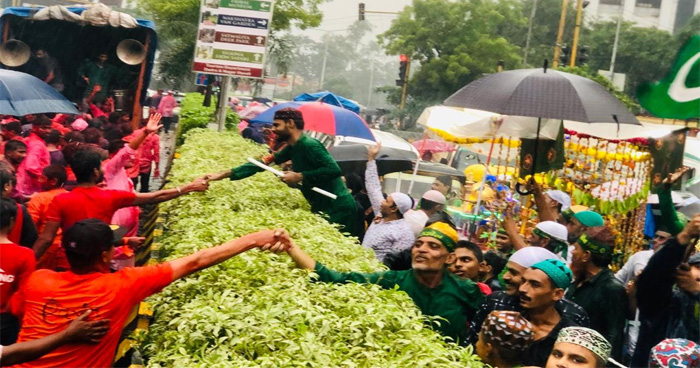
(324, 118)
(329, 98)
(22, 94)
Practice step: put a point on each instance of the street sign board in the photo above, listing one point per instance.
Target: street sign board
(232, 37)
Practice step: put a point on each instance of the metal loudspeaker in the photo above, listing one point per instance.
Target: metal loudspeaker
(131, 52)
(14, 53)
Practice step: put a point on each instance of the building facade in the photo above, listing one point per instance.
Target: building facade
(667, 15)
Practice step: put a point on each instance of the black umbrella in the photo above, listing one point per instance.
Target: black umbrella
(545, 94)
(542, 94)
(352, 158)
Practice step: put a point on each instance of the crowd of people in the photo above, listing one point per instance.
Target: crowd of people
(69, 227)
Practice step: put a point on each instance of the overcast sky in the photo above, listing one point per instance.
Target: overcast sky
(339, 14)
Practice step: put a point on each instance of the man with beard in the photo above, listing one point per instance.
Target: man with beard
(435, 291)
(38, 157)
(504, 247)
(88, 200)
(509, 299)
(595, 287)
(312, 165)
(543, 286)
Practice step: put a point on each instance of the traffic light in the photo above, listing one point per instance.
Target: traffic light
(564, 55)
(403, 68)
(362, 11)
(582, 55)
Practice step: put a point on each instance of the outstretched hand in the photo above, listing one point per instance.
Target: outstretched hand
(153, 123)
(198, 185)
(373, 151)
(672, 178)
(277, 240)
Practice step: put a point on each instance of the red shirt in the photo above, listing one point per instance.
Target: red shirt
(50, 300)
(83, 203)
(16, 264)
(38, 208)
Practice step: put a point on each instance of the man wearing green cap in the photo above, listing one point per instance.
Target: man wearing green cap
(543, 286)
(595, 287)
(435, 291)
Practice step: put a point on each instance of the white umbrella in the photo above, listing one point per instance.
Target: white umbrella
(454, 124)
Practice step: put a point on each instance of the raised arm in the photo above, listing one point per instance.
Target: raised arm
(544, 212)
(372, 184)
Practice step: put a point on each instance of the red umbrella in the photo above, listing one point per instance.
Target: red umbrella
(433, 146)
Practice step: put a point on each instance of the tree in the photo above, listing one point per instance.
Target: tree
(644, 54)
(454, 42)
(177, 23)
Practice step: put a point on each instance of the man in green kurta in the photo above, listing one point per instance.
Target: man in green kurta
(435, 291)
(311, 165)
(97, 73)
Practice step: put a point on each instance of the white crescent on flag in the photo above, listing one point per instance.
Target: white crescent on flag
(678, 90)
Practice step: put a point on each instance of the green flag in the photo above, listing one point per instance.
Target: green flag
(550, 154)
(667, 156)
(677, 96)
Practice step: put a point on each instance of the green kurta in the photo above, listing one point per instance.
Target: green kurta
(102, 75)
(319, 169)
(454, 299)
(604, 298)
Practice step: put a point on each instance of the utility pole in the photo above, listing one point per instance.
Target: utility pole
(529, 31)
(617, 40)
(223, 101)
(404, 75)
(577, 32)
(560, 33)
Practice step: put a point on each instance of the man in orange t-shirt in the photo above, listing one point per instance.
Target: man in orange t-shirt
(49, 299)
(52, 180)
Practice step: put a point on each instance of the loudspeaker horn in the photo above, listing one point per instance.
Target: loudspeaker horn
(131, 52)
(14, 53)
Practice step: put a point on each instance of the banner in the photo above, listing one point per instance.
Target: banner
(549, 155)
(232, 37)
(667, 156)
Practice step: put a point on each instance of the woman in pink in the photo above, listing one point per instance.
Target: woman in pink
(165, 108)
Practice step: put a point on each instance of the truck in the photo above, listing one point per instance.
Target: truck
(73, 37)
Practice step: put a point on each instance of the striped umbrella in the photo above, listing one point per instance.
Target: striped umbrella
(323, 118)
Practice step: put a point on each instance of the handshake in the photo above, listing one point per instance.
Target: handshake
(276, 241)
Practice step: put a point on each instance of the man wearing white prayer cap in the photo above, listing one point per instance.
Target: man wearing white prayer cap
(557, 198)
(389, 233)
(431, 203)
(551, 236)
(509, 299)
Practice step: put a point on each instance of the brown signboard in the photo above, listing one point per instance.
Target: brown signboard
(240, 39)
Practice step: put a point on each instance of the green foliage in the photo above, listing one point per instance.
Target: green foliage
(632, 105)
(258, 309)
(177, 23)
(194, 115)
(474, 47)
(644, 54)
(232, 120)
